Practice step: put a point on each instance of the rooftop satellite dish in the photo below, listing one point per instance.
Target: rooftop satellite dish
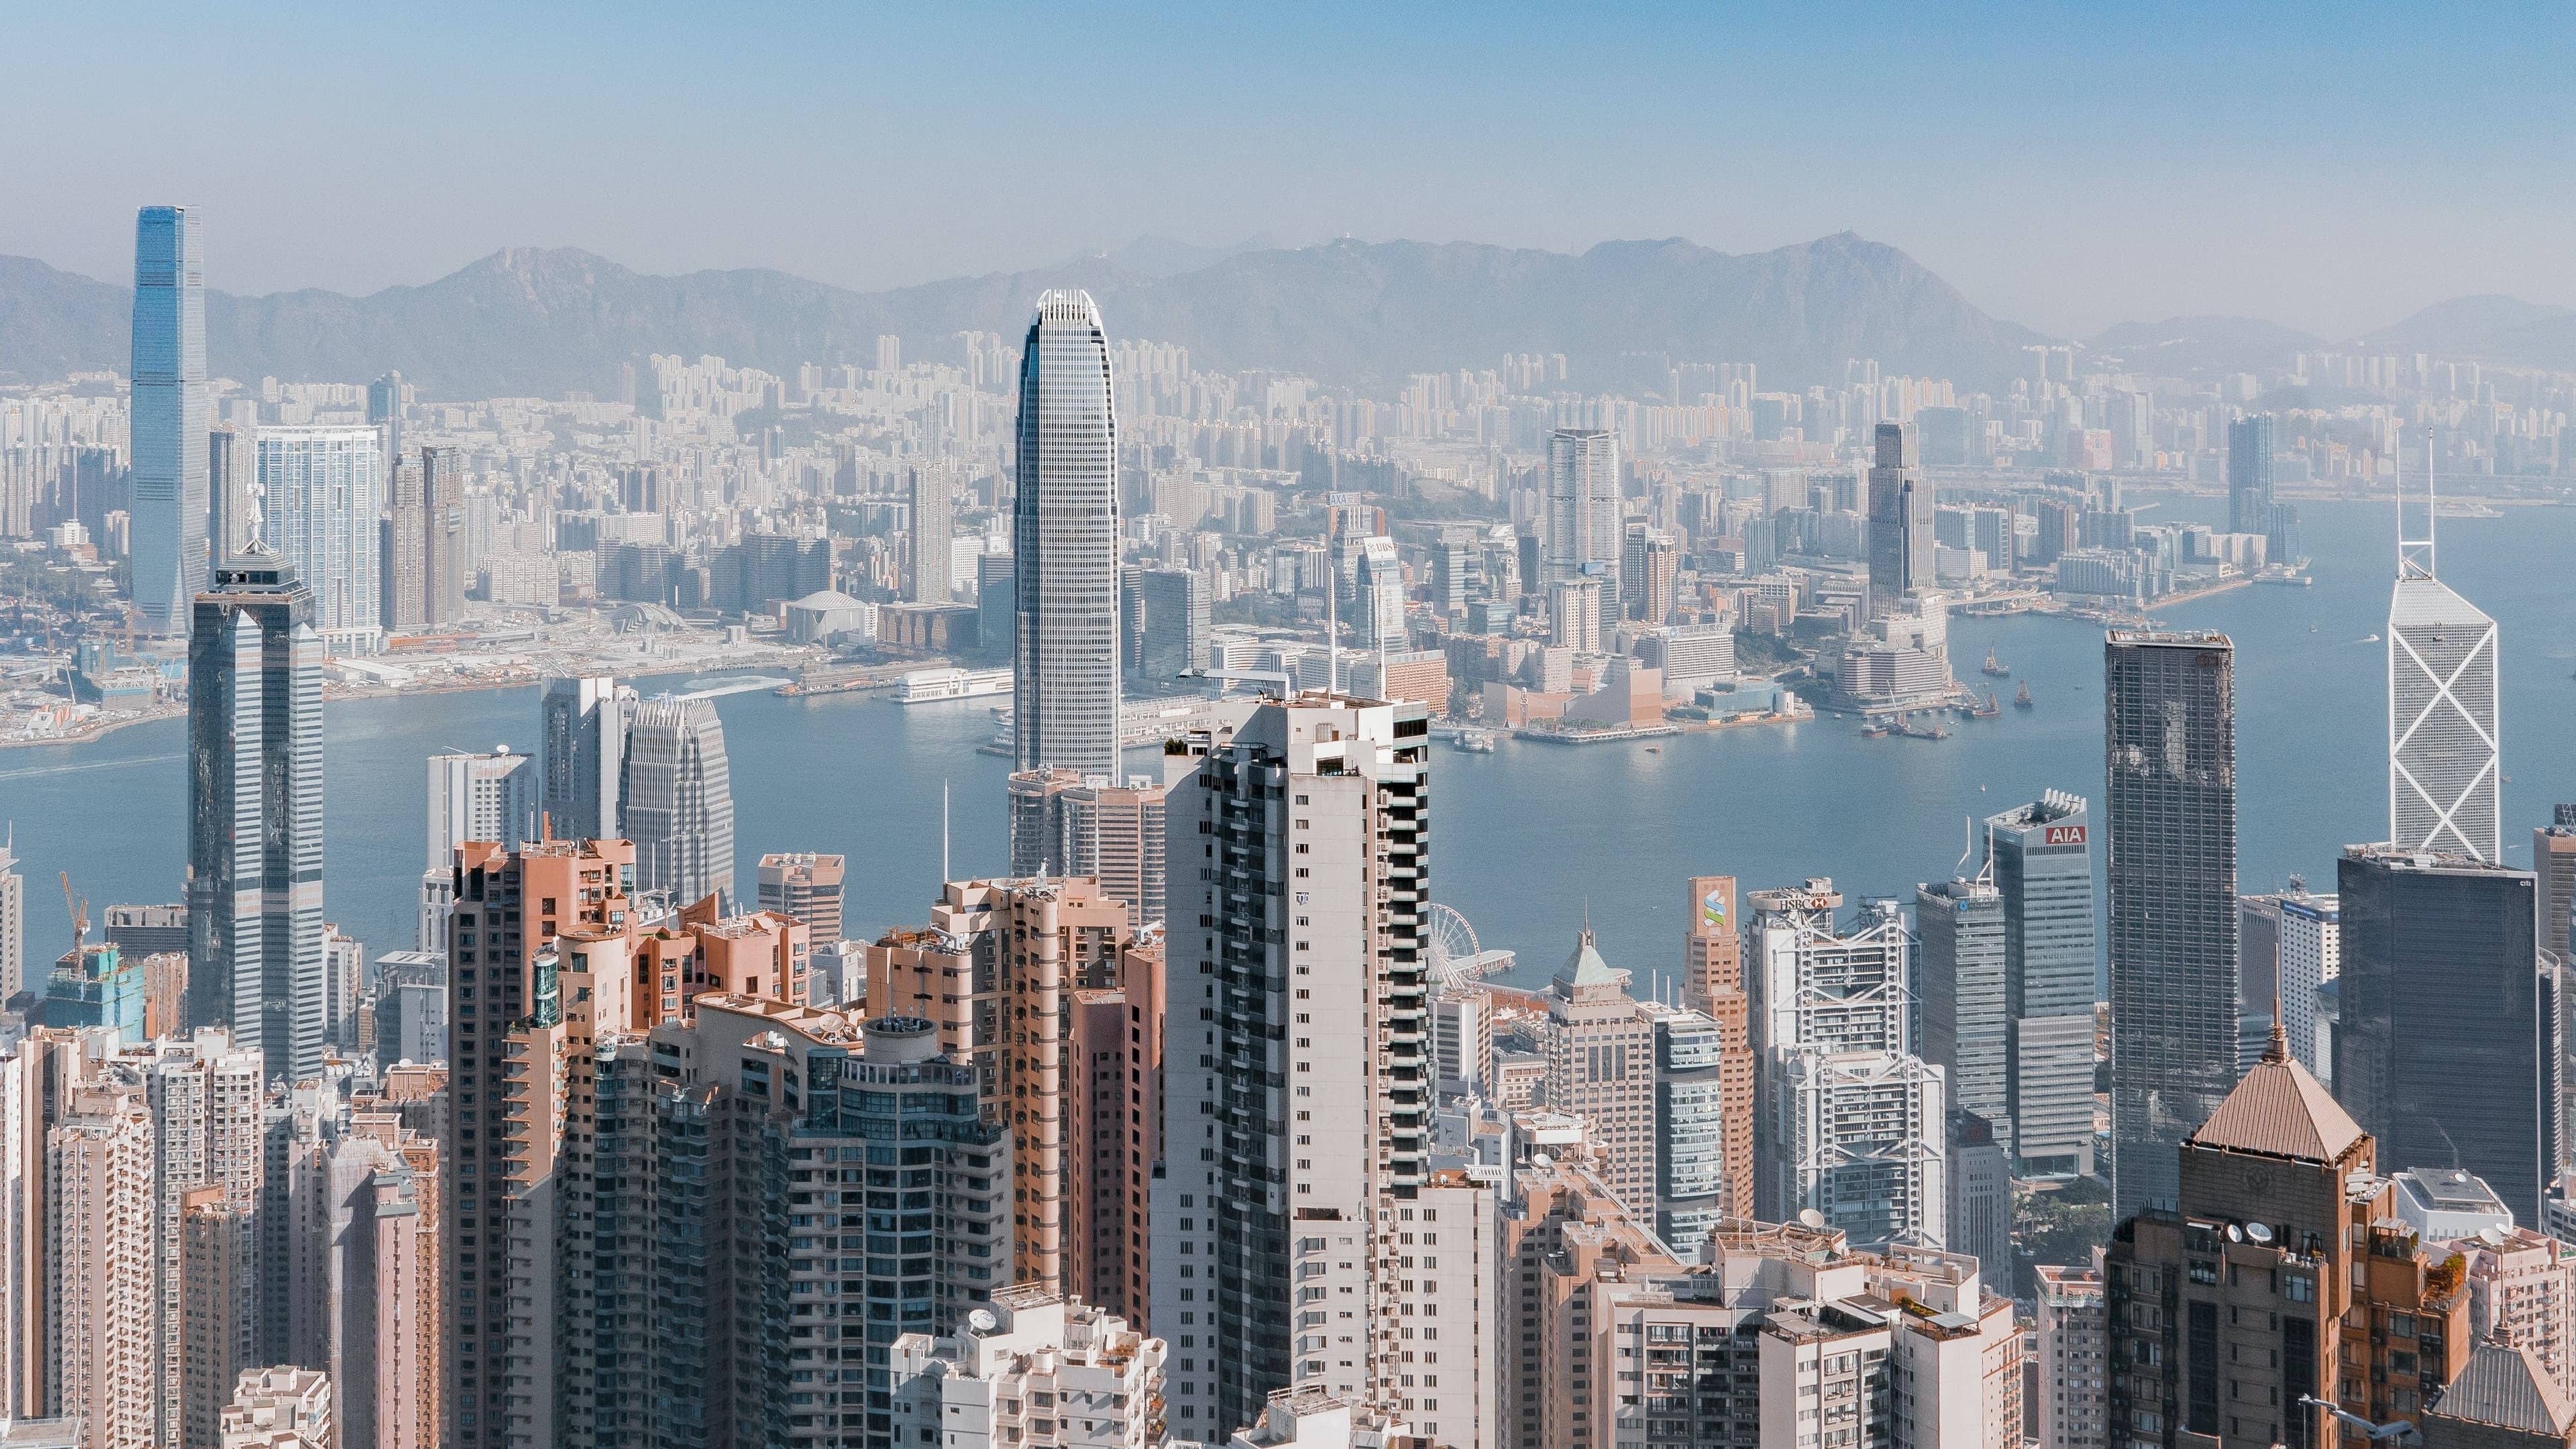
(2235, 1233)
(1811, 1217)
(1541, 1159)
(982, 1321)
(2257, 1234)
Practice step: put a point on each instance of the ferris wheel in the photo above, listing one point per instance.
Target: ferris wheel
(1453, 946)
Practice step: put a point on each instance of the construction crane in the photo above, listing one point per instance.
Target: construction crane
(79, 910)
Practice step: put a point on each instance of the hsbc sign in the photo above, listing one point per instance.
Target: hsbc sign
(2065, 835)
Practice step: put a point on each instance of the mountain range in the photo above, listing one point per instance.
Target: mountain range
(541, 322)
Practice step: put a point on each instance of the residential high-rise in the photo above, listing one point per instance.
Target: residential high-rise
(2169, 707)
(1583, 509)
(1296, 1110)
(1900, 522)
(282, 1407)
(1601, 1069)
(581, 756)
(1966, 997)
(806, 886)
(402, 562)
(480, 797)
(13, 924)
(2310, 955)
(205, 1097)
(2042, 858)
(366, 1304)
(2074, 1359)
(2446, 1046)
(168, 415)
(1063, 824)
(2553, 861)
(928, 574)
(217, 1266)
(1035, 1346)
(1064, 678)
(675, 800)
(1114, 1123)
(1649, 563)
(1695, 1125)
(2279, 1273)
(2445, 766)
(321, 490)
(255, 814)
(100, 1240)
(443, 545)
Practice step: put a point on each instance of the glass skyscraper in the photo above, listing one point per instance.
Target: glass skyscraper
(2042, 856)
(322, 491)
(1064, 675)
(2169, 717)
(168, 416)
(255, 949)
(675, 800)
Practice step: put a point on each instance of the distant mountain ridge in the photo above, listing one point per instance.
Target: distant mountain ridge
(540, 322)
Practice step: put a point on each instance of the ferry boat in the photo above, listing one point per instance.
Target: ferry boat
(934, 686)
(2021, 696)
(1996, 667)
(1473, 742)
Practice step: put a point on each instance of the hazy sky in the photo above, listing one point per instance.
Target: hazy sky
(2333, 167)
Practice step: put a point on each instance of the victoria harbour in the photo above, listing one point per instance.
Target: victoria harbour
(1528, 839)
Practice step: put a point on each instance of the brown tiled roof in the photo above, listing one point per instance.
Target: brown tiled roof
(2508, 1388)
(2281, 1110)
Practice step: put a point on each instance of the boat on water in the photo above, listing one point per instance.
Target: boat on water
(2373, 639)
(1986, 708)
(933, 686)
(2021, 696)
(1874, 732)
(1996, 667)
(1473, 742)
(1913, 731)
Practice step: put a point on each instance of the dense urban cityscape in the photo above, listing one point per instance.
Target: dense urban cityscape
(660, 1125)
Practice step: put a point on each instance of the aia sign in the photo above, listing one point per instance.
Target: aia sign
(2066, 835)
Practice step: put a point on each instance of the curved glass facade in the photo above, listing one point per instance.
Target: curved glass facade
(1064, 676)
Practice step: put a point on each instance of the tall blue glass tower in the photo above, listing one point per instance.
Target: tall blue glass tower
(169, 416)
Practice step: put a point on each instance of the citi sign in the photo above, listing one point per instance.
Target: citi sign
(2065, 835)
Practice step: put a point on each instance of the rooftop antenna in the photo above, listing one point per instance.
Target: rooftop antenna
(943, 832)
(1332, 621)
(2415, 555)
(1967, 845)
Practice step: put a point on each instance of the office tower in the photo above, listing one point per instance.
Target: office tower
(1063, 824)
(1034, 1346)
(1114, 1120)
(321, 489)
(1305, 1081)
(992, 973)
(385, 410)
(1583, 508)
(1965, 997)
(2278, 1273)
(13, 924)
(402, 561)
(2310, 955)
(443, 544)
(996, 607)
(1976, 1174)
(1462, 1041)
(2074, 1358)
(2447, 1047)
(2249, 476)
(806, 887)
(2445, 767)
(1601, 1069)
(255, 814)
(581, 755)
(1900, 522)
(1696, 1128)
(675, 800)
(100, 1243)
(1713, 985)
(1378, 588)
(2041, 856)
(1064, 678)
(2169, 708)
(280, 1408)
(934, 507)
(552, 972)
(480, 797)
(168, 414)
(230, 510)
(1170, 623)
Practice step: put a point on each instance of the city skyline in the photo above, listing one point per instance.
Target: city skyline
(2296, 262)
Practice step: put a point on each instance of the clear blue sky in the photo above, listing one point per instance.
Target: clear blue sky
(2331, 167)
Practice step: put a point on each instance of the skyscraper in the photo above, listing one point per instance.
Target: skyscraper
(1601, 1068)
(805, 886)
(1900, 522)
(1966, 1000)
(2249, 475)
(402, 561)
(230, 511)
(2445, 767)
(581, 754)
(676, 800)
(168, 413)
(2042, 856)
(2169, 707)
(1296, 1112)
(442, 501)
(1583, 508)
(1713, 985)
(934, 507)
(255, 814)
(13, 924)
(479, 797)
(321, 491)
(1168, 621)
(2446, 1044)
(1064, 678)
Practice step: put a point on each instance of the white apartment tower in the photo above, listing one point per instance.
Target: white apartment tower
(1583, 508)
(1297, 1086)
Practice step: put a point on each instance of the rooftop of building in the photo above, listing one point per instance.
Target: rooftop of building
(2168, 639)
(2506, 1386)
(2443, 861)
(2280, 1109)
(2450, 1189)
